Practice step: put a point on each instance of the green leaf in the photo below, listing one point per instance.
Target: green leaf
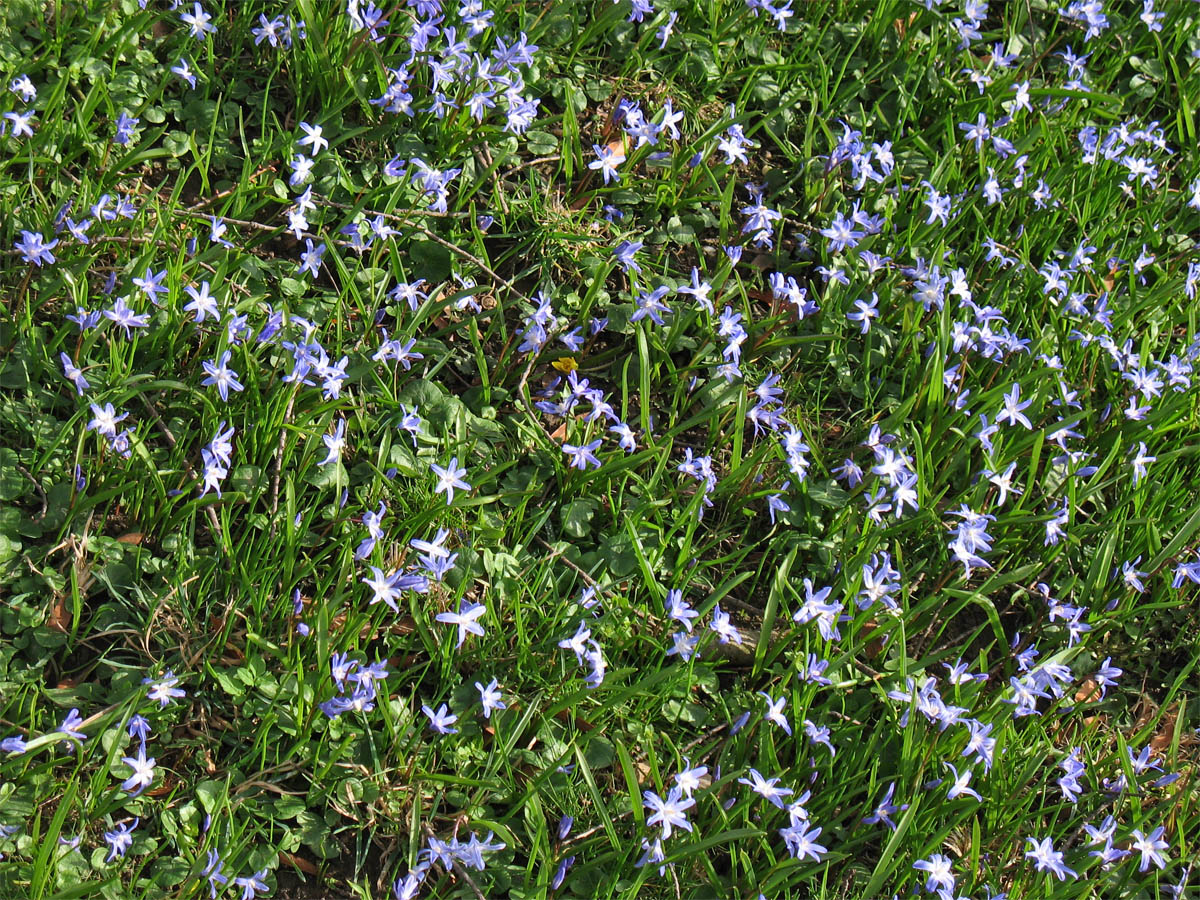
(315, 835)
(292, 287)
(778, 585)
(212, 795)
(230, 685)
(12, 482)
(169, 871)
(430, 261)
(9, 549)
(247, 479)
(541, 143)
(828, 493)
(577, 517)
(680, 232)
(600, 752)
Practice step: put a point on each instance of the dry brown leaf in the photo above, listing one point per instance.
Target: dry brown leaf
(83, 574)
(874, 647)
(1088, 691)
(1145, 711)
(1110, 279)
(59, 617)
(579, 722)
(407, 625)
(304, 865)
(1164, 737)
(163, 789)
(901, 25)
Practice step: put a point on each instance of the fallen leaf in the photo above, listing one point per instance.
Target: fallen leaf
(1088, 691)
(874, 646)
(1145, 710)
(567, 718)
(161, 790)
(59, 617)
(618, 146)
(1164, 737)
(901, 25)
(304, 865)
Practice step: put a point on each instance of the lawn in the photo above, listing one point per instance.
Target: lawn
(583, 449)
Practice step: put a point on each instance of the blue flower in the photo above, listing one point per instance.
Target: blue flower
(151, 284)
(583, 456)
(467, 619)
(212, 871)
(606, 162)
(313, 138)
(1047, 859)
(491, 699)
(624, 252)
(441, 720)
(163, 689)
(143, 772)
(252, 885)
(198, 22)
(125, 125)
(310, 258)
(34, 249)
(184, 71)
(120, 839)
(651, 304)
(668, 813)
(74, 374)
(449, 478)
(222, 376)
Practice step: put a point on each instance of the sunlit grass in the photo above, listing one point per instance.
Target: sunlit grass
(627, 421)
